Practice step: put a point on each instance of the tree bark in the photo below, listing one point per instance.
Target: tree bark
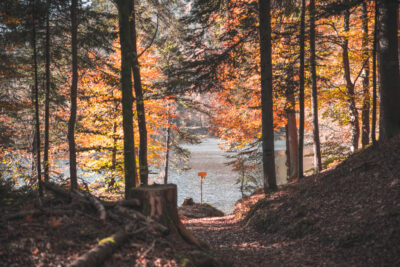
(314, 94)
(266, 96)
(159, 202)
(291, 133)
(167, 153)
(97, 255)
(137, 83)
(365, 77)
(388, 67)
(47, 98)
(351, 98)
(301, 89)
(374, 78)
(36, 100)
(74, 89)
(124, 12)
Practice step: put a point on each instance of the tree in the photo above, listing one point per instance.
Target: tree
(374, 78)
(365, 77)
(73, 96)
(388, 68)
(137, 83)
(266, 95)
(36, 100)
(124, 12)
(314, 94)
(301, 89)
(351, 98)
(47, 96)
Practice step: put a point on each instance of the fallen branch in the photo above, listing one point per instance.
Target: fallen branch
(105, 248)
(58, 190)
(134, 203)
(22, 214)
(97, 255)
(95, 202)
(143, 219)
(35, 212)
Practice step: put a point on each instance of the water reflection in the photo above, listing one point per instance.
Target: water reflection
(219, 188)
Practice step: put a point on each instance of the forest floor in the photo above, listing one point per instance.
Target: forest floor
(348, 215)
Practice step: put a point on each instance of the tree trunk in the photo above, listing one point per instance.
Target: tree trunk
(314, 95)
(365, 77)
(301, 89)
(291, 133)
(374, 78)
(36, 98)
(388, 67)
(74, 89)
(47, 98)
(137, 83)
(124, 11)
(167, 153)
(159, 202)
(266, 96)
(355, 127)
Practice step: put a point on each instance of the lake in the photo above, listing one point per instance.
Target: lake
(219, 188)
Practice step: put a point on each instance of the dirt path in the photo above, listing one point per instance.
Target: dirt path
(232, 243)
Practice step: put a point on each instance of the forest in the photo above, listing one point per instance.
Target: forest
(106, 105)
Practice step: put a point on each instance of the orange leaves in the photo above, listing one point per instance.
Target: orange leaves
(55, 222)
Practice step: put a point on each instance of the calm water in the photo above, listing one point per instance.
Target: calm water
(219, 188)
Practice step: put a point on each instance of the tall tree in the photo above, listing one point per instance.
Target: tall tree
(168, 148)
(374, 78)
(47, 95)
(301, 89)
(137, 83)
(365, 77)
(266, 95)
(291, 133)
(124, 12)
(388, 68)
(36, 99)
(351, 97)
(314, 94)
(73, 96)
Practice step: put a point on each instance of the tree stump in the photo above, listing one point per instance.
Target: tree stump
(159, 202)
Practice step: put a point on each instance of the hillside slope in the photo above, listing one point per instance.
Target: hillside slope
(346, 216)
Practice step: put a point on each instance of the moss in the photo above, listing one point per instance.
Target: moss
(186, 262)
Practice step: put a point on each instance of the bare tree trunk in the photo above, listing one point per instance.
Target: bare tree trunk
(388, 67)
(365, 77)
(137, 83)
(36, 98)
(266, 95)
(354, 122)
(167, 153)
(374, 78)
(314, 94)
(291, 133)
(74, 89)
(301, 91)
(124, 12)
(47, 98)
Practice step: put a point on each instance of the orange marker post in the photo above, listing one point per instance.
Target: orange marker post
(203, 177)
